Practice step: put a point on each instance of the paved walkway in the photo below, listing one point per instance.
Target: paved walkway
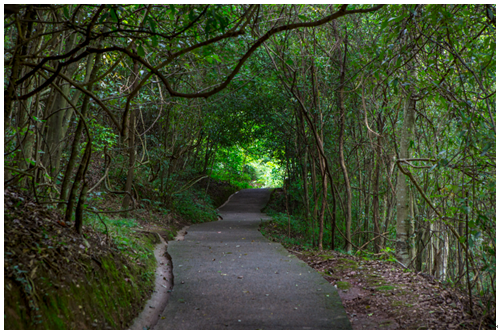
(228, 276)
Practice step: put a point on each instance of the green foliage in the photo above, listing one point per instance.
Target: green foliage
(125, 234)
(195, 206)
(102, 136)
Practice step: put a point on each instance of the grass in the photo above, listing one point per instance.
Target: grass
(386, 288)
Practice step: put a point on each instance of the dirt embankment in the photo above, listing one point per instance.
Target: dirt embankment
(58, 279)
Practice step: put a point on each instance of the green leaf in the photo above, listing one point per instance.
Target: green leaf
(141, 51)
(114, 16)
(66, 12)
(154, 41)
(384, 24)
(103, 17)
(398, 62)
(152, 24)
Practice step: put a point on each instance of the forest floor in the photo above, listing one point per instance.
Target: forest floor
(379, 294)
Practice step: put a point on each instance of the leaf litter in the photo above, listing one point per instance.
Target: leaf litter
(379, 294)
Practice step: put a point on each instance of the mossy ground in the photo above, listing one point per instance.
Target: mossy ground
(58, 279)
(343, 285)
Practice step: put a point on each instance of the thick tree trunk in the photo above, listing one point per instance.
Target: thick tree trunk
(80, 176)
(55, 126)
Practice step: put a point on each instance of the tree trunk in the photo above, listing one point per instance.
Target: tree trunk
(91, 75)
(402, 194)
(375, 199)
(131, 144)
(349, 196)
(324, 204)
(315, 198)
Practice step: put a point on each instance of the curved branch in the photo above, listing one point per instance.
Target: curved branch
(341, 12)
(155, 70)
(85, 91)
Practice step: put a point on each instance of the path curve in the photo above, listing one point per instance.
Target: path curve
(228, 276)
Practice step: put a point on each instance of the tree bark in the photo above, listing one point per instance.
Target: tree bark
(402, 194)
(375, 200)
(131, 144)
(349, 196)
(91, 74)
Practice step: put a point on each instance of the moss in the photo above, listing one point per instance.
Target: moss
(344, 264)
(386, 288)
(326, 256)
(343, 285)
(374, 279)
(107, 298)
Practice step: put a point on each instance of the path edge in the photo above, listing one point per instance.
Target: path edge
(156, 304)
(217, 209)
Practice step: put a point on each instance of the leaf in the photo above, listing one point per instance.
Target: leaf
(154, 41)
(384, 24)
(66, 12)
(114, 16)
(152, 24)
(398, 62)
(103, 17)
(141, 51)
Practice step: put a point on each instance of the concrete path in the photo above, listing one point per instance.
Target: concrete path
(228, 276)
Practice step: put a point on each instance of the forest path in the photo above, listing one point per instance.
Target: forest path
(228, 276)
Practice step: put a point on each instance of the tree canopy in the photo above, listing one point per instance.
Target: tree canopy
(377, 120)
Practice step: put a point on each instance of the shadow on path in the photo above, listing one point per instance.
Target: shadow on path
(228, 276)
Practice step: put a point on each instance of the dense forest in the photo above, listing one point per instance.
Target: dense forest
(377, 121)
